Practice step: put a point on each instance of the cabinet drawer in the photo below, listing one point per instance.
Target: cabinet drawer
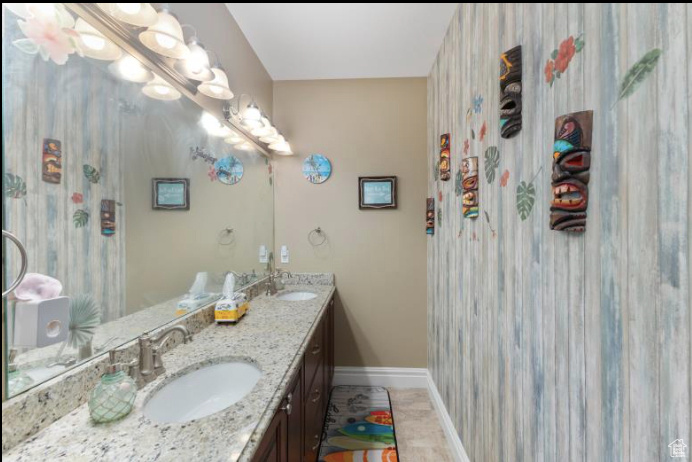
(314, 355)
(314, 420)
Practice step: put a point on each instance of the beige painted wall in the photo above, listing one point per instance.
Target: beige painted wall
(365, 127)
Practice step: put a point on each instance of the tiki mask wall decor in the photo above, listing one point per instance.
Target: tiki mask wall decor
(571, 164)
(469, 199)
(107, 217)
(510, 92)
(430, 216)
(51, 169)
(445, 161)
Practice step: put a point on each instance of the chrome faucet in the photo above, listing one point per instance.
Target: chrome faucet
(150, 363)
(275, 282)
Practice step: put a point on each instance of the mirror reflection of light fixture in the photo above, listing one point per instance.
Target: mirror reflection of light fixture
(137, 14)
(272, 137)
(128, 68)
(251, 117)
(233, 138)
(212, 125)
(94, 43)
(165, 37)
(244, 146)
(160, 89)
(281, 147)
(264, 129)
(196, 64)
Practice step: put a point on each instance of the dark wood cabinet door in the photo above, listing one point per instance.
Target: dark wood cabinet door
(295, 419)
(274, 445)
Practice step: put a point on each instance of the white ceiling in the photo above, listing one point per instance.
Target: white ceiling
(300, 41)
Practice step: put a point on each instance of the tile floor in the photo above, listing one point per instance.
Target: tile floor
(419, 433)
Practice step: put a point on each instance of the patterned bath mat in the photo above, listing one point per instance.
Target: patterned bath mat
(359, 426)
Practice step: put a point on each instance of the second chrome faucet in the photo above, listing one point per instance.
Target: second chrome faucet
(150, 364)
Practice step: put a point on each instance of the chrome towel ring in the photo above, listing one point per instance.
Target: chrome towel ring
(317, 237)
(22, 252)
(226, 236)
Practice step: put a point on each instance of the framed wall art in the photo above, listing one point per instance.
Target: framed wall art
(170, 193)
(377, 192)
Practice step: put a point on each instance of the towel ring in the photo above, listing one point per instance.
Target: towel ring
(22, 270)
(226, 236)
(317, 237)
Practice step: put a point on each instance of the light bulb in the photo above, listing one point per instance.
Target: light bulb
(129, 68)
(129, 8)
(93, 42)
(162, 89)
(212, 125)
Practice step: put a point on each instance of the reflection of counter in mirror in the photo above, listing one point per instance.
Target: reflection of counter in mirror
(81, 147)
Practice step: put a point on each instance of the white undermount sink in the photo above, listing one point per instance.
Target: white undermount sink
(202, 392)
(296, 296)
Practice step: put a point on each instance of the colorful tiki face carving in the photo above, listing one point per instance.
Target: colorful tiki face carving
(51, 170)
(571, 164)
(445, 165)
(469, 199)
(107, 217)
(510, 92)
(430, 216)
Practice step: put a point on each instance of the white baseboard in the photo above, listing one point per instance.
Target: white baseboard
(394, 377)
(391, 377)
(457, 448)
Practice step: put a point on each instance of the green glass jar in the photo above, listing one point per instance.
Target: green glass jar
(113, 397)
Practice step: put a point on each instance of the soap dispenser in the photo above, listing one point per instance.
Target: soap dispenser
(114, 395)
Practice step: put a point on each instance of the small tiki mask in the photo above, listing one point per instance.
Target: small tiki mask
(107, 217)
(51, 169)
(430, 216)
(469, 198)
(571, 164)
(445, 165)
(510, 92)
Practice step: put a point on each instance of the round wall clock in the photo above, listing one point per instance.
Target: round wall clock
(317, 168)
(229, 170)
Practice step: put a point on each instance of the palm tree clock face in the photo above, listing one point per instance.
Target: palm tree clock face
(317, 168)
(229, 170)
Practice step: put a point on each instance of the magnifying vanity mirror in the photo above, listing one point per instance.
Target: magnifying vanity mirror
(132, 201)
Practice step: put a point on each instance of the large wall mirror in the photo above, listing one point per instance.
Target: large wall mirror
(132, 203)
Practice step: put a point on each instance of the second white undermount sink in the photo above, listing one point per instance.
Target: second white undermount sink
(202, 392)
(296, 296)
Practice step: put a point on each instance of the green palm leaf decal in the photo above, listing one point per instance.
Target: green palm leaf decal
(526, 196)
(638, 73)
(80, 218)
(15, 186)
(492, 161)
(91, 174)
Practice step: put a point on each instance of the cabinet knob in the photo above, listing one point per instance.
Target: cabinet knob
(317, 445)
(317, 394)
(316, 349)
(287, 408)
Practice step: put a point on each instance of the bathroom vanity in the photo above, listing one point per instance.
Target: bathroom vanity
(296, 428)
(280, 419)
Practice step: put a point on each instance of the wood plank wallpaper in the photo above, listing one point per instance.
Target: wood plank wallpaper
(546, 345)
(77, 104)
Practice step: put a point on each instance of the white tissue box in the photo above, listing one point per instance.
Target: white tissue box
(41, 323)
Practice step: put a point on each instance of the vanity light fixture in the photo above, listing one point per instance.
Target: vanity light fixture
(130, 69)
(244, 146)
(271, 137)
(136, 14)
(160, 89)
(196, 64)
(215, 128)
(165, 37)
(95, 44)
(217, 88)
(251, 117)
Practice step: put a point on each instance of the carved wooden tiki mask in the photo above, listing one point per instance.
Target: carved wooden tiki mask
(107, 217)
(445, 166)
(510, 92)
(469, 171)
(51, 170)
(430, 216)
(571, 164)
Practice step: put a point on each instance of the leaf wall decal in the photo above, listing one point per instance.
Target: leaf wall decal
(492, 161)
(15, 186)
(80, 218)
(526, 196)
(638, 73)
(91, 173)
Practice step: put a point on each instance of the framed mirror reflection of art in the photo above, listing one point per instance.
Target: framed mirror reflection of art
(83, 137)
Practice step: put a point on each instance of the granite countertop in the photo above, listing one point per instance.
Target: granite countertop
(273, 335)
